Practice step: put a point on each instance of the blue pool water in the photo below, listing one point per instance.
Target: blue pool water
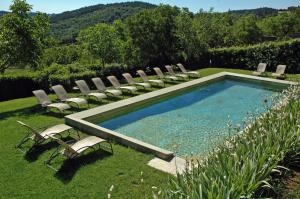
(194, 122)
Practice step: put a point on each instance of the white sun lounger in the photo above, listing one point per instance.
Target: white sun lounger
(184, 71)
(62, 95)
(86, 91)
(102, 88)
(116, 84)
(38, 136)
(261, 68)
(280, 71)
(45, 102)
(162, 76)
(145, 78)
(130, 81)
(171, 72)
(73, 150)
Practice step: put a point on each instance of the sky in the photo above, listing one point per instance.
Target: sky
(58, 6)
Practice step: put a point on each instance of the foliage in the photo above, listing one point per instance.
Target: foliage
(244, 163)
(21, 36)
(273, 53)
(246, 31)
(102, 42)
(283, 25)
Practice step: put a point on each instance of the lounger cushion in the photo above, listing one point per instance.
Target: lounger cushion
(98, 95)
(156, 81)
(55, 130)
(77, 100)
(85, 143)
(114, 92)
(181, 75)
(171, 77)
(145, 85)
(129, 88)
(59, 106)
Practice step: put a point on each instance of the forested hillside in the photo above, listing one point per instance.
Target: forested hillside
(67, 25)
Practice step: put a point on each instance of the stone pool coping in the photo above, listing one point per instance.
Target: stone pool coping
(79, 120)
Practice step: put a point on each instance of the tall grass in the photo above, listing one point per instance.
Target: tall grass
(244, 163)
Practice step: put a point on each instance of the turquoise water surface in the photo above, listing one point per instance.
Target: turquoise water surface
(194, 122)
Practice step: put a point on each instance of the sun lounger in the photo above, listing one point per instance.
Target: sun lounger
(261, 68)
(45, 102)
(145, 78)
(38, 136)
(102, 88)
(86, 91)
(279, 71)
(62, 95)
(73, 150)
(162, 76)
(130, 81)
(171, 72)
(116, 84)
(184, 71)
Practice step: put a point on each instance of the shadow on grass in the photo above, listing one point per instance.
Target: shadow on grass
(34, 153)
(70, 166)
(36, 110)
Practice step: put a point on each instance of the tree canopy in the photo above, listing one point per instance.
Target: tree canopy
(21, 36)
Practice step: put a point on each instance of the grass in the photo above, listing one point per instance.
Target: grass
(91, 176)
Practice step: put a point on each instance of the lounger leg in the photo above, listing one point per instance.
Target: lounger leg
(23, 140)
(52, 157)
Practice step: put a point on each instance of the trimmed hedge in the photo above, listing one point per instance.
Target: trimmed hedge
(18, 85)
(273, 53)
(21, 85)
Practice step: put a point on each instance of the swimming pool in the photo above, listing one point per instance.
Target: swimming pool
(187, 118)
(192, 123)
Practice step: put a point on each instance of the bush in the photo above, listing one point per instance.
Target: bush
(246, 162)
(273, 53)
(17, 85)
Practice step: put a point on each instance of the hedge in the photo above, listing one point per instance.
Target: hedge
(18, 85)
(21, 85)
(273, 53)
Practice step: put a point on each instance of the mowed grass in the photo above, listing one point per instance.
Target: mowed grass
(90, 176)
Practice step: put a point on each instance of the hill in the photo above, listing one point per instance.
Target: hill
(67, 25)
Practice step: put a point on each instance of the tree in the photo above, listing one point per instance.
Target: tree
(152, 33)
(189, 45)
(22, 36)
(102, 42)
(246, 31)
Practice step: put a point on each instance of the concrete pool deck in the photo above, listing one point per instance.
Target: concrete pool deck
(166, 159)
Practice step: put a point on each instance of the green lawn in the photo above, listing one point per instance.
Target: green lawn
(90, 176)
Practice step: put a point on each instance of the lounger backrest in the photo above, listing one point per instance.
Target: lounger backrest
(60, 92)
(159, 72)
(261, 67)
(42, 97)
(143, 75)
(99, 84)
(170, 70)
(114, 81)
(83, 87)
(181, 67)
(67, 147)
(128, 78)
(32, 130)
(280, 69)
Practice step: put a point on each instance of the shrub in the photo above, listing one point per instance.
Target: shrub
(244, 163)
(273, 53)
